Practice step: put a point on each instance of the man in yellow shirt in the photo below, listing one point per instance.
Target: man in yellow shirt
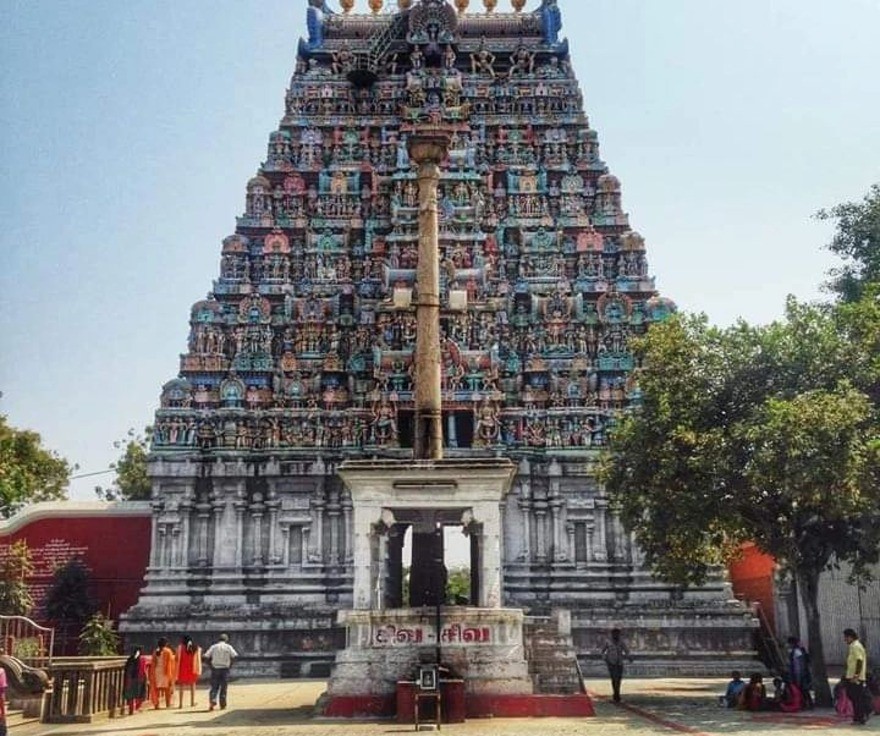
(855, 675)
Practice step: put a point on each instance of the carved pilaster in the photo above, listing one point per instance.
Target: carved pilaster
(346, 528)
(525, 507)
(240, 504)
(258, 509)
(273, 504)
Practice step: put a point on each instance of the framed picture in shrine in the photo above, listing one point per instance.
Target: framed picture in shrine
(428, 678)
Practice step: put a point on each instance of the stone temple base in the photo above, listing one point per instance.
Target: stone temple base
(273, 641)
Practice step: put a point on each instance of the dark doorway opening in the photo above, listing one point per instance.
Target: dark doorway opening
(458, 428)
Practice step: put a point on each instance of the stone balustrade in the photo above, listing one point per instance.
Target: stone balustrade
(84, 689)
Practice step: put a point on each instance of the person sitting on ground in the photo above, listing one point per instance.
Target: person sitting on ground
(788, 697)
(734, 690)
(754, 695)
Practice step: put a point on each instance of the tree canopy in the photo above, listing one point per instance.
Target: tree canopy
(28, 471)
(764, 434)
(15, 567)
(857, 242)
(132, 482)
(68, 600)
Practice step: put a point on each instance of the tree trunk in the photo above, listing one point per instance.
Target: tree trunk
(808, 586)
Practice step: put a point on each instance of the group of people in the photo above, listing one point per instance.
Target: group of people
(155, 675)
(792, 692)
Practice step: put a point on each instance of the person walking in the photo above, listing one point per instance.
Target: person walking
(613, 653)
(855, 675)
(189, 668)
(163, 673)
(134, 679)
(220, 656)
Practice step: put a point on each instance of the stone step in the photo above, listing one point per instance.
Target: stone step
(552, 658)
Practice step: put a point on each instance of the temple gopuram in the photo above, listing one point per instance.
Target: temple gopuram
(301, 357)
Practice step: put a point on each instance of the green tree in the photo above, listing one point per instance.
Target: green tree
(98, 638)
(458, 583)
(28, 472)
(857, 242)
(68, 601)
(132, 482)
(760, 434)
(15, 567)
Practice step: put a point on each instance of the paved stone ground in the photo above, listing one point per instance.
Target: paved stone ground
(284, 708)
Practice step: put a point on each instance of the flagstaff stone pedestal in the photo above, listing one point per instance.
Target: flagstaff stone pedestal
(482, 645)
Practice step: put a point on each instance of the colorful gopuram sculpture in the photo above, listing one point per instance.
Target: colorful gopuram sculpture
(301, 355)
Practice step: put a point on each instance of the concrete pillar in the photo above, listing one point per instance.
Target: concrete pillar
(489, 516)
(364, 517)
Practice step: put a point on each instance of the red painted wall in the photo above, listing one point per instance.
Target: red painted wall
(112, 539)
(752, 580)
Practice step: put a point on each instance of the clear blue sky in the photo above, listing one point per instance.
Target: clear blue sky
(128, 129)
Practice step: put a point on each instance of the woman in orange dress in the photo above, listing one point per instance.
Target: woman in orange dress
(163, 673)
(189, 668)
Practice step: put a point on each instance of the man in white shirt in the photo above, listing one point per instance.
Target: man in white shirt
(220, 656)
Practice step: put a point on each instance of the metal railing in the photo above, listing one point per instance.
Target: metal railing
(27, 641)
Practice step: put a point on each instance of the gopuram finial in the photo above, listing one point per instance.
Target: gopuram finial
(518, 5)
(404, 4)
(490, 5)
(462, 5)
(347, 5)
(376, 6)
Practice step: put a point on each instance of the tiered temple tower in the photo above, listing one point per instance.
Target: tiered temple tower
(301, 356)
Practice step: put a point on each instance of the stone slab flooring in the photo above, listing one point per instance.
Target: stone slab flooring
(284, 708)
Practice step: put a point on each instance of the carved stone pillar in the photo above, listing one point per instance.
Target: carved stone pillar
(427, 149)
